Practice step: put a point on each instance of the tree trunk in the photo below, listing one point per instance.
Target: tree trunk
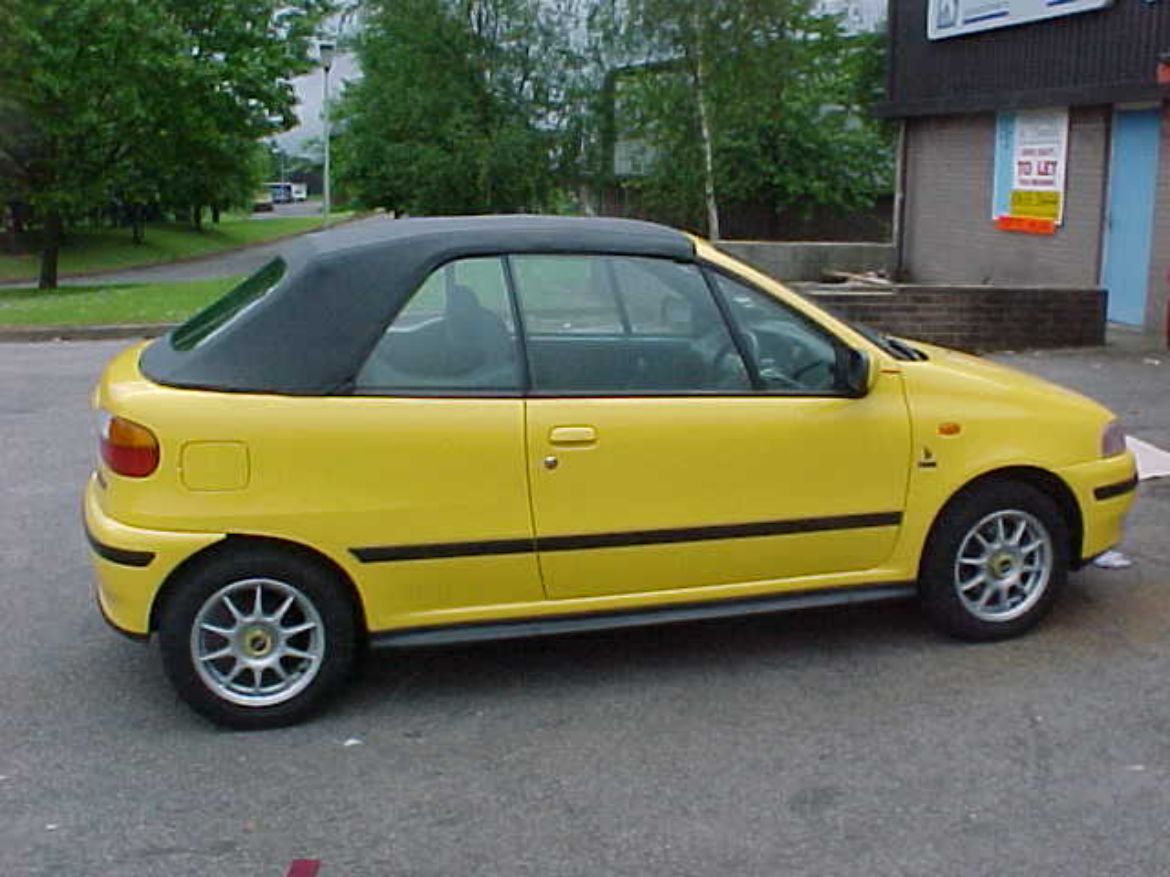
(51, 249)
(197, 216)
(215, 213)
(705, 132)
(136, 222)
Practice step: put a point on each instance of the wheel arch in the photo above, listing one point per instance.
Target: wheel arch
(1048, 483)
(236, 542)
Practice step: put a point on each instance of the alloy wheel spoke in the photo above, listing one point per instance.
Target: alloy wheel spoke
(231, 607)
(1021, 529)
(298, 628)
(299, 653)
(258, 602)
(980, 579)
(284, 607)
(225, 632)
(225, 652)
(986, 596)
(237, 668)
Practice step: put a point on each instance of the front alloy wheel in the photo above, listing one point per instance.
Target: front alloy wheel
(995, 561)
(1003, 565)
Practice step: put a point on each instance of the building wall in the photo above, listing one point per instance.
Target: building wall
(949, 236)
(1159, 286)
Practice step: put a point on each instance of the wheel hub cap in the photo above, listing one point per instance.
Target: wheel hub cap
(257, 642)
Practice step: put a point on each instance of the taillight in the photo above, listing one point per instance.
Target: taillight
(128, 448)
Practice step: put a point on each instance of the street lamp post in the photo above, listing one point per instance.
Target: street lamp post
(327, 50)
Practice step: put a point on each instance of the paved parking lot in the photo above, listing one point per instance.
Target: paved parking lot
(830, 743)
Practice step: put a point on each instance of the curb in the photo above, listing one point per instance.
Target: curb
(83, 333)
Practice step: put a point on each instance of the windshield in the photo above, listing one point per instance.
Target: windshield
(223, 311)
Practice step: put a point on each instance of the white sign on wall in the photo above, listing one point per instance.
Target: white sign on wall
(953, 18)
(1041, 154)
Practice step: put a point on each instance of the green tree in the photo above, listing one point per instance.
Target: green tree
(133, 100)
(761, 101)
(459, 108)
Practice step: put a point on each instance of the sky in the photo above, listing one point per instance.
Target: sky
(859, 13)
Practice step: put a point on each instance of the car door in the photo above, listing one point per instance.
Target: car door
(429, 457)
(659, 458)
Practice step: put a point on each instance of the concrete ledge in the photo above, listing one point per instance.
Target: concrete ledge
(809, 260)
(84, 333)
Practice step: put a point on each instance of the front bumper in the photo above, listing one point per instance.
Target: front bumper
(1105, 491)
(132, 563)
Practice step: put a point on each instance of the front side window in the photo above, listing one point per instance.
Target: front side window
(790, 353)
(611, 325)
(456, 333)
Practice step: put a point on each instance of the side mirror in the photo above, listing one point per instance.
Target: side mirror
(855, 372)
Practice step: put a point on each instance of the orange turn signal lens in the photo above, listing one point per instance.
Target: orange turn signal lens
(949, 429)
(128, 448)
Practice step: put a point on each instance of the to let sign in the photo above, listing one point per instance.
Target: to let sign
(954, 18)
(1039, 160)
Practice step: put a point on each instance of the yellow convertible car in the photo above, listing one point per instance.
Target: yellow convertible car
(444, 430)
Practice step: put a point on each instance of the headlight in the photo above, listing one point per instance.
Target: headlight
(1112, 439)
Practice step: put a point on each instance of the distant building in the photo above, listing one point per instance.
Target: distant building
(857, 15)
(1036, 146)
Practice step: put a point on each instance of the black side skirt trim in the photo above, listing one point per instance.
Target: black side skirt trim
(579, 623)
(123, 556)
(1111, 490)
(380, 554)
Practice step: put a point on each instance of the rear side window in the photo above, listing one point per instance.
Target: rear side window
(222, 312)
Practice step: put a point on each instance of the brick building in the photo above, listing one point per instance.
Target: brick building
(1036, 146)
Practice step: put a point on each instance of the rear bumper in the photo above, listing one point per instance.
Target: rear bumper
(132, 563)
(1105, 491)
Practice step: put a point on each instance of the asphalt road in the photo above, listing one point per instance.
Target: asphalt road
(843, 742)
(242, 261)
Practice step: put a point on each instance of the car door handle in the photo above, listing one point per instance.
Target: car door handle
(572, 435)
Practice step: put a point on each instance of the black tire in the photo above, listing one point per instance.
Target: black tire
(953, 563)
(287, 687)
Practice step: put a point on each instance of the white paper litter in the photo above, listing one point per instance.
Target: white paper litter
(352, 741)
(1152, 461)
(1112, 560)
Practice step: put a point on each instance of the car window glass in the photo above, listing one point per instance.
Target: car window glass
(566, 294)
(663, 298)
(229, 308)
(623, 326)
(789, 351)
(455, 333)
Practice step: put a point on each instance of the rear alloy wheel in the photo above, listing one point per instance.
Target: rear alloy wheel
(995, 562)
(257, 640)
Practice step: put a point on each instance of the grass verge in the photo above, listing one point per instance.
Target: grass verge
(98, 305)
(91, 250)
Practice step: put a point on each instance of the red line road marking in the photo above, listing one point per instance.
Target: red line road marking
(303, 868)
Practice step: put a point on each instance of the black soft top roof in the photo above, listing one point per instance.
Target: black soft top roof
(312, 331)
